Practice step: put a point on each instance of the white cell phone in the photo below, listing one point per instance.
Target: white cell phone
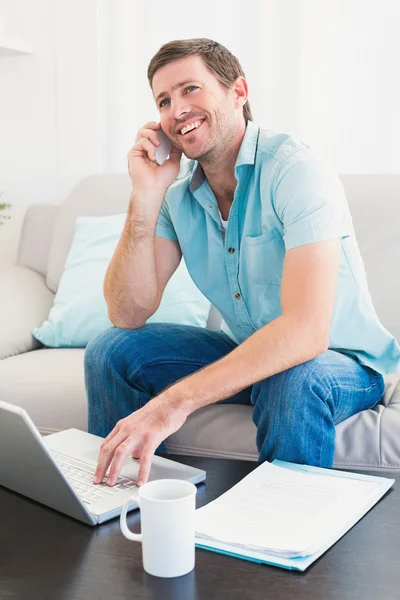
(163, 150)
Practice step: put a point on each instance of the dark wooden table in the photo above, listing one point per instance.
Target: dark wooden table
(48, 556)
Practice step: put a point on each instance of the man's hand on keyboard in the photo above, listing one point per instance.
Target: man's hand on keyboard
(138, 435)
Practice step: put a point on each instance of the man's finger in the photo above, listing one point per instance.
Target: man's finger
(120, 455)
(106, 454)
(145, 462)
(112, 433)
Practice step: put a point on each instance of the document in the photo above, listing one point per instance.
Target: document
(281, 511)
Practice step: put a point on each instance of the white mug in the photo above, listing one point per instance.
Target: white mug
(167, 508)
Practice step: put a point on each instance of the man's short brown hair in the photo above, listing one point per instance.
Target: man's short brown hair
(219, 61)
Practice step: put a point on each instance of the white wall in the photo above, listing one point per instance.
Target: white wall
(349, 83)
(50, 135)
(323, 70)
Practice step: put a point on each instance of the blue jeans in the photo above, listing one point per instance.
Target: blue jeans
(295, 411)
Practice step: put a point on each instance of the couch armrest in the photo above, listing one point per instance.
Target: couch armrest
(25, 303)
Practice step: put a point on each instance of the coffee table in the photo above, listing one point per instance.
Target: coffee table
(46, 555)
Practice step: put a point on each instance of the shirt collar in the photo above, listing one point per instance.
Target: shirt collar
(246, 156)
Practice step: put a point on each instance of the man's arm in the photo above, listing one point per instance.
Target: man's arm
(300, 334)
(140, 268)
(142, 264)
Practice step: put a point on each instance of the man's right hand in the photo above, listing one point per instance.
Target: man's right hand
(146, 174)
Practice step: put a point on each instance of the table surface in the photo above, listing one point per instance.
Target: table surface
(47, 555)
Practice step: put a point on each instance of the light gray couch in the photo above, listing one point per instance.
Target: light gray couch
(49, 383)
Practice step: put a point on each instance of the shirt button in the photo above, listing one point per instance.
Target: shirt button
(237, 296)
(231, 250)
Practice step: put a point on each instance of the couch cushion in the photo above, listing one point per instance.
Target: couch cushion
(220, 430)
(49, 385)
(52, 391)
(376, 432)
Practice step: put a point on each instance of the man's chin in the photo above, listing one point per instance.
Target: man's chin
(191, 155)
(194, 154)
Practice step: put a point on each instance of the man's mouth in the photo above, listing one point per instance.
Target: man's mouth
(192, 128)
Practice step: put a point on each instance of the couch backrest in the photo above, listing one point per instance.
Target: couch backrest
(36, 237)
(98, 195)
(374, 202)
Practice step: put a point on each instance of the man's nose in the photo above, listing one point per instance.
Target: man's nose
(179, 108)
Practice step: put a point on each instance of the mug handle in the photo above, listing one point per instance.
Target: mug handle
(136, 537)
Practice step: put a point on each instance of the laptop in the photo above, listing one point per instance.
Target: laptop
(57, 470)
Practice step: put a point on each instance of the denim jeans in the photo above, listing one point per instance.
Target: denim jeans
(295, 411)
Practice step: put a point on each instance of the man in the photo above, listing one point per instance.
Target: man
(266, 234)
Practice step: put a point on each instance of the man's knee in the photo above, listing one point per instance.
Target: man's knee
(293, 387)
(111, 346)
(98, 347)
(124, 350)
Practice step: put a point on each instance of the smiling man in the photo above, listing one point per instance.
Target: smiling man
(266, 234)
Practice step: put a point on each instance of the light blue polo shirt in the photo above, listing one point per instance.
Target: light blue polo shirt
(285, 197)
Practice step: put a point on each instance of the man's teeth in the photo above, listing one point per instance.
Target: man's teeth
(190, 127)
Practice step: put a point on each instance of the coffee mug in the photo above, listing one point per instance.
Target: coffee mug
(167, 508)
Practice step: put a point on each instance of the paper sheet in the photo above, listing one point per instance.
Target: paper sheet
(281, 511)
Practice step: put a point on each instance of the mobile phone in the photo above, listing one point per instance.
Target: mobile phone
(163, 150)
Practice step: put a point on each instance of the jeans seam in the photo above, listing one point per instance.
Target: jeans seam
(326, 405)
(165, 362)
(368, 389)
(332, 387)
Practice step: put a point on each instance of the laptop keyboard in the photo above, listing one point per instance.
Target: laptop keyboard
(80, 475)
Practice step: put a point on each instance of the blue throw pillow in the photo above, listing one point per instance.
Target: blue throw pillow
(79, 311)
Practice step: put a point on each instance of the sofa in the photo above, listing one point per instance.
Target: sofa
(49, 382)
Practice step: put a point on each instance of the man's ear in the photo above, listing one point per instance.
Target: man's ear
(241, 91)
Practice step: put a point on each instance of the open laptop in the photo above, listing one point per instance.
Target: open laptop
(57, 470)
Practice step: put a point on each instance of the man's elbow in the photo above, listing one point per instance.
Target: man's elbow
(323, 347)
(134, 320)
(320, 341)
(126, 323)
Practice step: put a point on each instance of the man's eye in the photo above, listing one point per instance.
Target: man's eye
(186, 89)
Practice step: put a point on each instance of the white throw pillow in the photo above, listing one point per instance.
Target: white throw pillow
(79, 311)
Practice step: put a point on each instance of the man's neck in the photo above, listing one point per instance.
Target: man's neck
(220, 172)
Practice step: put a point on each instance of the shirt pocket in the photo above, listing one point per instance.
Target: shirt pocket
(262, 257)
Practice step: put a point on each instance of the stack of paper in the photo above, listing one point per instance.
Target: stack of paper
(286, 514)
